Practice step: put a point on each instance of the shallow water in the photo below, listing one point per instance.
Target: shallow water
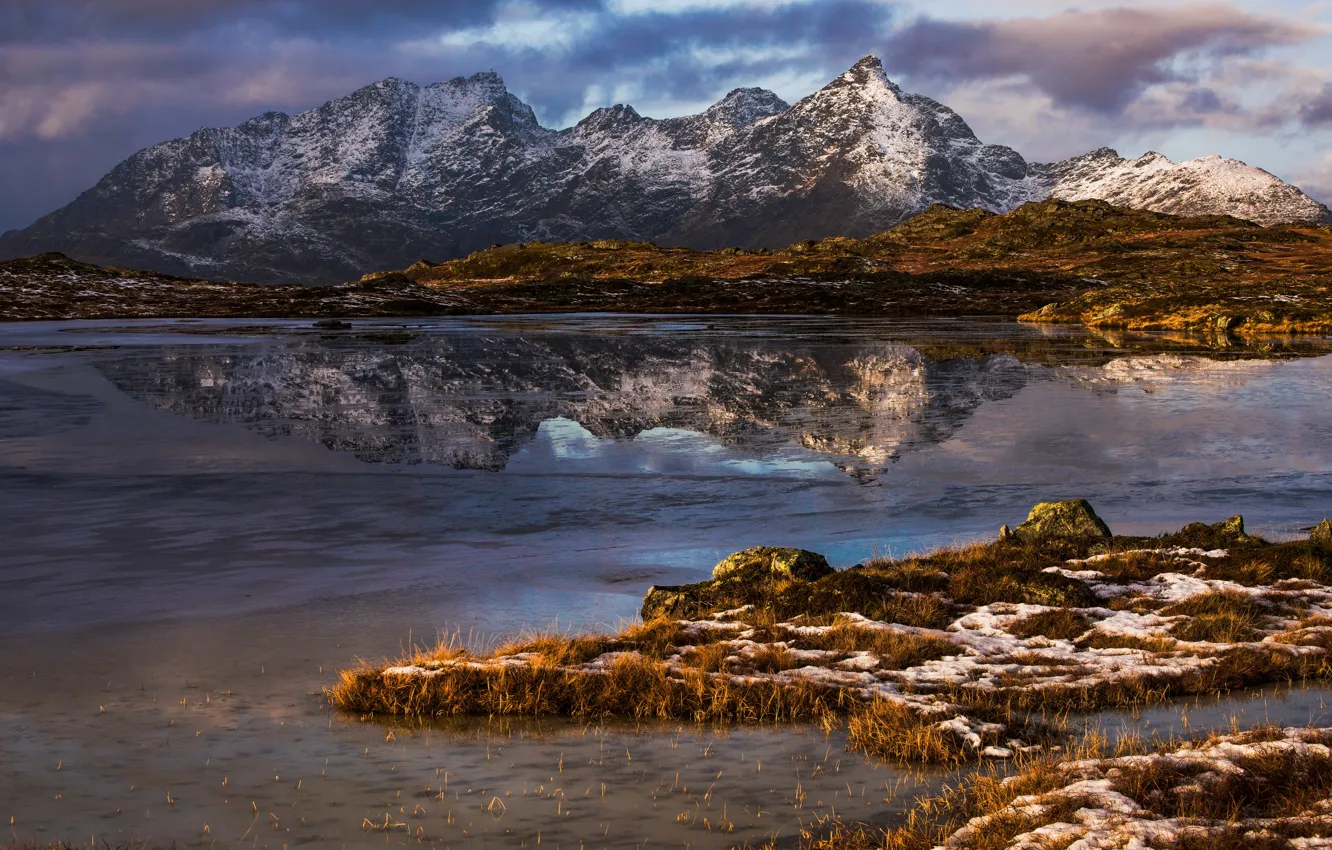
(211, 507)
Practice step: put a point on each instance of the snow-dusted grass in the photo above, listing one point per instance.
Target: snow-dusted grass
(959, 654)
(1264, 788)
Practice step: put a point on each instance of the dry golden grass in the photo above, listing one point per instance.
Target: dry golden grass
(629, 686)
(895, 650)
(708, 657)
(1058, 623)
(1218, 617)
(772, 658)
(891, 730)
(1137, 566)
(1105, 640)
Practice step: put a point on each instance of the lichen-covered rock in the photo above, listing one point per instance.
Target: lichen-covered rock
(1070, 518)
(772, 561)
(1218, 535)
(1322, 535)
(665, 601)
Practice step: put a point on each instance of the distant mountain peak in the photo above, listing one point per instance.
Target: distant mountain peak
(1208, 185)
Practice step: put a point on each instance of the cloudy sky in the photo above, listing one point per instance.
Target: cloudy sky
(85, 83)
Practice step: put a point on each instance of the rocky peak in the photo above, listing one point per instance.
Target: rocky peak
(486, 85)
(861, 97)
(868, 73)
(609, 120)
(1152, 158)
(743, 107)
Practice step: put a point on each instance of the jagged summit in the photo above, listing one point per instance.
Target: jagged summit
(609, 119)
(868, 69)
(743, 107)
(395, 171)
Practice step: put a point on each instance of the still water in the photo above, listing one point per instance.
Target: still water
(204, 520)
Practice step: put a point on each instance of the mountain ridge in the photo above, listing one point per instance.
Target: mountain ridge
(395, 171)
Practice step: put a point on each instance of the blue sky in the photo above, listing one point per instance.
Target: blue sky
(85, 83)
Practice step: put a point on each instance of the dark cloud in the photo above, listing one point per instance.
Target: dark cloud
(1203, 100)
(1318, 111)
(1099, 60)
(28, 20)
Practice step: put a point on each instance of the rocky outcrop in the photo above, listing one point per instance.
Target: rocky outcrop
(395, 172)
(754, 570)
(768, 562)
(1322, 535)
(1070, 518)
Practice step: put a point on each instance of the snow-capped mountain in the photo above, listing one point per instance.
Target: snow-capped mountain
(1210, 185)
(395, 172)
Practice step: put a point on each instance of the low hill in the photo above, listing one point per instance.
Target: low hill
(1054, 261)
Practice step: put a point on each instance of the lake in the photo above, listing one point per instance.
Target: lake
(206, 519)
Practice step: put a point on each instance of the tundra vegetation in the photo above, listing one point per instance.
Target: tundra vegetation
(1085, 262)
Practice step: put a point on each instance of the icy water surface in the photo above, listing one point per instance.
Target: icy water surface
(204, 520)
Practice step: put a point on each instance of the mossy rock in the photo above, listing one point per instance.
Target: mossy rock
(1322, 535)
(666, 601)
(686, 601)
(1218, 535)
(1070, 518)
(772, 562)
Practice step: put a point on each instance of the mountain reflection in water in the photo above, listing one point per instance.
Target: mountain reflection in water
(471, 400)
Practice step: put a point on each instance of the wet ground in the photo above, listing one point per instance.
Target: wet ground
(204, 521)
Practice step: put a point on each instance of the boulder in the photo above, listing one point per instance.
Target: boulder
(1227, 532)
(772, 562)
(1322, 535)
(1071, 518)
(664, 601)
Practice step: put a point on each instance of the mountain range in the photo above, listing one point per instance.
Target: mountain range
(395, 172)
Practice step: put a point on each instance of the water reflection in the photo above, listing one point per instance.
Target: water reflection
(179, 588)
(470, 401)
